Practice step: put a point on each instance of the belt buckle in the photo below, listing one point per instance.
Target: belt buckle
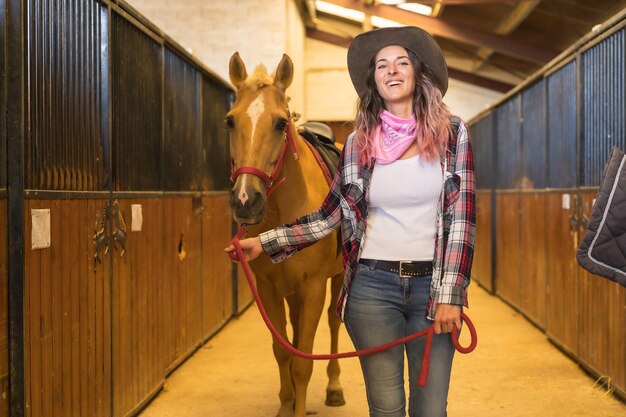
(400, 272)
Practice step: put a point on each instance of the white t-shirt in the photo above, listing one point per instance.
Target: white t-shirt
(402, 210)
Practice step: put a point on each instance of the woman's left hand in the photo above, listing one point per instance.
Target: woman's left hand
(446, 316)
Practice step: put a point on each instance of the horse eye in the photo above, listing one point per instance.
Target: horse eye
(281, 124)
(230, 122)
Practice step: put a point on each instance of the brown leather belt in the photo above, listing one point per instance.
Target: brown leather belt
(405, 269)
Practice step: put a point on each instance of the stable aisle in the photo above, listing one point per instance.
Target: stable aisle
(514, 372)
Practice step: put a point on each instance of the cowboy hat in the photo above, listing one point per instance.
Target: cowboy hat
(366, 45)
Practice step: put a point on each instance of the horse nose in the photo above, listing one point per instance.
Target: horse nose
(257, 202)
(235, 203)
(246, 204)
(240, 199)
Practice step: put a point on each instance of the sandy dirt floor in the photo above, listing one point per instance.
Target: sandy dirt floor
(514, 372)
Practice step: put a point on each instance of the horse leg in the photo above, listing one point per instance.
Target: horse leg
(275, 308)
(334, 392)
(294, 316)
(312, 296)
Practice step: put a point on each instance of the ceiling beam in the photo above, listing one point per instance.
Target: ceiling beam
(452, 72)
(507, 26)
(453, 31)
(470, 2)
(480, 81)
(460, 2)
(328, 37)
(517, 16)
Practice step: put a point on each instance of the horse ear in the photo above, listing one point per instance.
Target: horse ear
(284, 73)
(237, 70)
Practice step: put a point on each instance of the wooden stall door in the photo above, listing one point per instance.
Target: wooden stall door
(67, 315)
(507, 235)
(481, 269)
(139, 359)
(562, 281)
(533, 257)
(602, 339)
(4, 312)
(182, 286)
(617, 336)
(217, 282)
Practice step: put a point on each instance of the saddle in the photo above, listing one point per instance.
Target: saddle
(322, 138)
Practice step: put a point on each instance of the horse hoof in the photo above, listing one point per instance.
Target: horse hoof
(285, 411)
(334, 398)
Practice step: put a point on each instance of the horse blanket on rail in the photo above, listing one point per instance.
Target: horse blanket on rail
(602, 251)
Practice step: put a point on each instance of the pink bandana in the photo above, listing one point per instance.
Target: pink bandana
(393, 137)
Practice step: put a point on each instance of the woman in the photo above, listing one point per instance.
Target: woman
(404, 197)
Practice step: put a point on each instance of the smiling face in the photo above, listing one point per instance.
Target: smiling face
(395, 79)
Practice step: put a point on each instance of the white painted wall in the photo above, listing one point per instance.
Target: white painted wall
(294, 47)
(467, 100)
(262, 31)
(329, 92)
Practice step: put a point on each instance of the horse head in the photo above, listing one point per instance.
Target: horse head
(257, 123)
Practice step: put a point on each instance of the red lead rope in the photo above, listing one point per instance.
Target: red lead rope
(428, 332)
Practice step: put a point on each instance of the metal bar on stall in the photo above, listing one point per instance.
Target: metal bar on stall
(17, 120)
(87, 135)
(65, 107)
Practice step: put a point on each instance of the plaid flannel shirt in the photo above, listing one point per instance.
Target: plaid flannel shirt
(346, 205)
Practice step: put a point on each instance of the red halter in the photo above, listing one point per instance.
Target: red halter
(269, 180)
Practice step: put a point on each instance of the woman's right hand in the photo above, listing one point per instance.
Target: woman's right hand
(251, 248)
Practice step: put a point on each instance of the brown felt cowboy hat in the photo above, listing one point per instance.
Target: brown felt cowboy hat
(366, 45)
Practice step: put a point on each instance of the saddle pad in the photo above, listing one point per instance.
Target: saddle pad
(602, 251)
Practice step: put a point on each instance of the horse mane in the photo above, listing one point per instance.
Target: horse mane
(259, 78)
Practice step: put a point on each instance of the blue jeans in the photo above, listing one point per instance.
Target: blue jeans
(383, 307)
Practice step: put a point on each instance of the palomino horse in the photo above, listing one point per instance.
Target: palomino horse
(259, 147)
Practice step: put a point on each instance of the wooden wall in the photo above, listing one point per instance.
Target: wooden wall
(602, 320)
(182, 295)
(67, 321)
(139, 308)
(562, 286)
(101, 341)
(532, 294)
(481, 268)
(617, 336)
(4, 311)
(586, 313)
(507, 235)
(537, 236)
(100, 338)
(216, 268)
(520, 276)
